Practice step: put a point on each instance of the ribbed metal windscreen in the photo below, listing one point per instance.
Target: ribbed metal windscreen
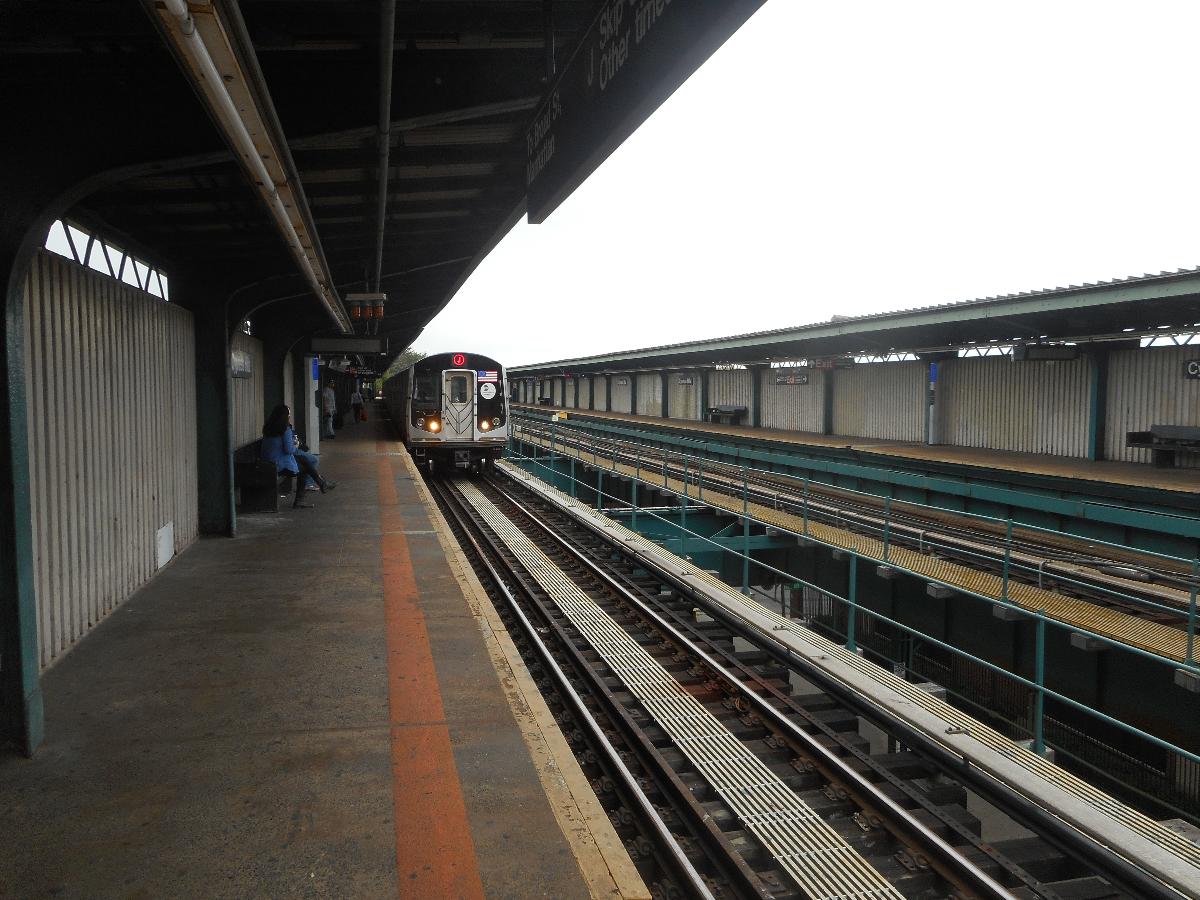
(289, 392)
(112, 442)
(1148, 387)
(583, 393)
(600, 392)
(556, 391)
(795, 407)
(247, 393)
(880, 400)
(1032, 406)
(683, 392)
(649, 394)
(622, 392)
(730, 387)
(569, 390)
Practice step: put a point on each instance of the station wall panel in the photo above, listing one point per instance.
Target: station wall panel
(247, 393)
(683, 400)
(795, 407)
(1147, 387)
(880, 400)
(112, 442)
(569, 391)
(1029, 406)
(649, 394)
(730, 387)
(583, 392)
(622, 392)
(600, 392)
(556, 391)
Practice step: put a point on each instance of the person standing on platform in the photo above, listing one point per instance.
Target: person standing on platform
(328, 410)
(356, 404)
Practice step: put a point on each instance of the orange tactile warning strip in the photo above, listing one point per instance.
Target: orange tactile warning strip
(435, 855)
(1153, 637)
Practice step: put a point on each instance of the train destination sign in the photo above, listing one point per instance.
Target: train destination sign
(634, 56)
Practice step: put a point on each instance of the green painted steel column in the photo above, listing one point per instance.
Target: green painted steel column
(826, 401)
(664, 380)
(1097, 402)
(21, 712)
(852, 609)
(214, 425)
(756, 377)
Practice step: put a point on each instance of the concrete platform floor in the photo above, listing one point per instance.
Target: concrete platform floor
(308, 709)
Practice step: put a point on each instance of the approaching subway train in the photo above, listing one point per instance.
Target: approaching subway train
(452, 410)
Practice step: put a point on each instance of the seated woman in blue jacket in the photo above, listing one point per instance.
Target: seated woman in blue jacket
(279, 445)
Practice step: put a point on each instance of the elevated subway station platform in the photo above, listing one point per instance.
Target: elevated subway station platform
(318, 706)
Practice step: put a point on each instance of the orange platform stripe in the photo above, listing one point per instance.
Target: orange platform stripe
(435, 854)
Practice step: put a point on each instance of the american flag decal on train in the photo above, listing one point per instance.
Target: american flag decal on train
(489, 375)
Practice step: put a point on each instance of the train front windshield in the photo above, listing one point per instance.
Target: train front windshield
(425, 389)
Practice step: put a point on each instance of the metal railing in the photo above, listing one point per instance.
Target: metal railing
(856, 615)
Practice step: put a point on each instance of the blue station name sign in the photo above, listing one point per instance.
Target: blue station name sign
(632, 57)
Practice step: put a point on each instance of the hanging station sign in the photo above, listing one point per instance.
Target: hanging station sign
(791, 378)
(1191, 369)
(634, 56)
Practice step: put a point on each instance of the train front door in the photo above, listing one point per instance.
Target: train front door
(458, 405)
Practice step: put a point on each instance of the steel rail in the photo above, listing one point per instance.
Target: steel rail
(667, 842)
(945, 859)
(727, 479)
(1068, 840)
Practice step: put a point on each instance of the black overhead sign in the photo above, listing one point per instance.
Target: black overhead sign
(634, 55)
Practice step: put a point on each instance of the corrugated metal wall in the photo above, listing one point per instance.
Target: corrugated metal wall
(600, 390)
(1029, 406)
(556, 391)
(730, 387)
(569, 393)
(247, 393)
(112, 442)
(796, 407)
(622, 392)
(1147, 387)
(683, 399)
(583, 392)
(880, 400)
(289, 389)
(649, 394)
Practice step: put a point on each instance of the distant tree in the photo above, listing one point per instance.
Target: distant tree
(403, 361)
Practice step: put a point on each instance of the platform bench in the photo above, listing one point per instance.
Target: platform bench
(726, 415)
(1164, 441)
(257, 480)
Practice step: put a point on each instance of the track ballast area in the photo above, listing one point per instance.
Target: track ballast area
(722, 782)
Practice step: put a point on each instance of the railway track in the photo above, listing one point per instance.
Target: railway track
(1151, 588)
(721, 778)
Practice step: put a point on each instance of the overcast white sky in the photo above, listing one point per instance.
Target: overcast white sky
(859, 157)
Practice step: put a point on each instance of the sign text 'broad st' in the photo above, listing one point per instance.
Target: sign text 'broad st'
(634, 55)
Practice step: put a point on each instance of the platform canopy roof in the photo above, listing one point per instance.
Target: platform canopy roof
(1119, 310)
(100, 109)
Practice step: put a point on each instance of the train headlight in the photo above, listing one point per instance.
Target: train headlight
(435, 425)
(485, 425)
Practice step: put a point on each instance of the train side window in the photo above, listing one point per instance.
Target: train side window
(458, 389)
(424, 390)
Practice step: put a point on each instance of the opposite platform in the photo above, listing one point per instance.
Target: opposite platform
(311, 708)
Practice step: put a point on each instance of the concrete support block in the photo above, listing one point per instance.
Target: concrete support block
(1007, 614)
(1087, 643)
(939, 591)
(700, 617)
(933, 689)
(1188, 680)
(841, 554)
(887, 573)
(1047, 753)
